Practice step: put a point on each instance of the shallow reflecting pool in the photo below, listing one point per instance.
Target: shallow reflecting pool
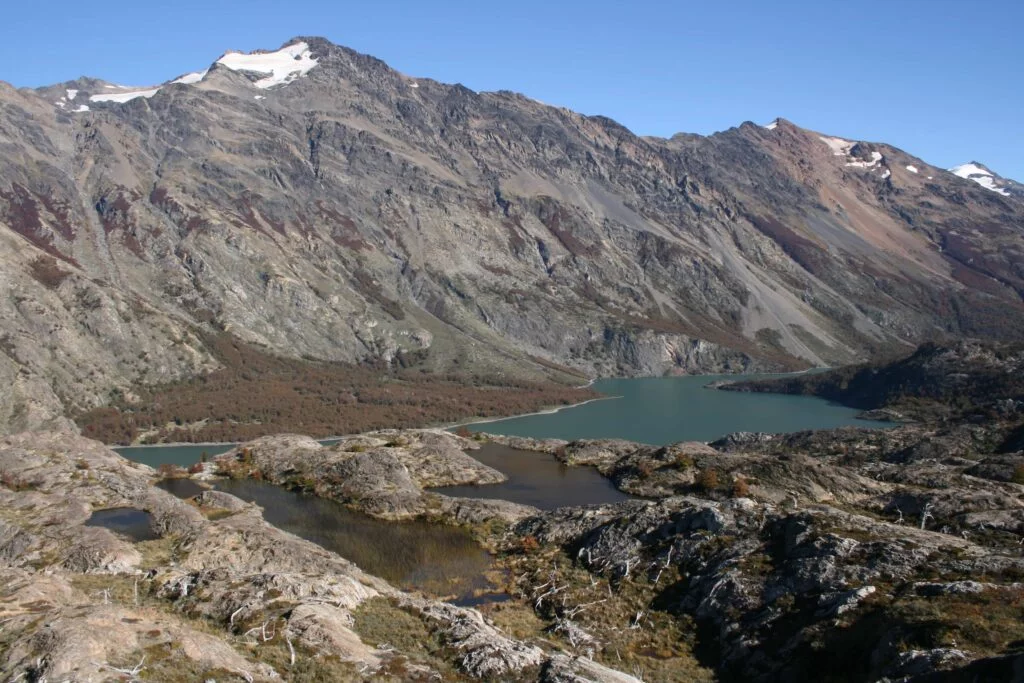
(182, 488)
(135, 524)
(436, 559)
(537, 479)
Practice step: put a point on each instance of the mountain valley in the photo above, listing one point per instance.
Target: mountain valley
(317, 205)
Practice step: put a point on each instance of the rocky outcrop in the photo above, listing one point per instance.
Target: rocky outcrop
(895, 547)
(869, 554)
(384, 474)
(763, 579)
(218, 593)
(937, 381)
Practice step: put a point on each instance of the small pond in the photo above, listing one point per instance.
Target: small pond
(417, 555)
(182, 488)
(130, 522)
(537, 479)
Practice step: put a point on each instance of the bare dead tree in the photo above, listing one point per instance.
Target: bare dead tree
(926, 514)
(132, 672)
(291, 648)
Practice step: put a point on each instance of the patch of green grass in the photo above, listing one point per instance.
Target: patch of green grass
(517, 620)
(380, 621)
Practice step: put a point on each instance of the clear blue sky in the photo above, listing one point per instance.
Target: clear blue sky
(943, 79)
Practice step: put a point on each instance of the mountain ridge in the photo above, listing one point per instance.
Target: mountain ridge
(87, 80)
(354, 214)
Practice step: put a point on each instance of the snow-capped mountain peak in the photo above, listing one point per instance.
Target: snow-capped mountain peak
(282, 67)
(980, 174)
(277, 68)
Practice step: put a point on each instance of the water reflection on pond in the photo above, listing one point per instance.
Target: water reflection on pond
(135, 524)
(436, 559)
(537, 479)
(180, 487)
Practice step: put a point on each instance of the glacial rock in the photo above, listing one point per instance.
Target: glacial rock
(82, 602)
(381, 473)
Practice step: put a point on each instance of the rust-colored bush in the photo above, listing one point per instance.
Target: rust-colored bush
(740, 488)
(168, 470)
(707, 479)
(529, 544)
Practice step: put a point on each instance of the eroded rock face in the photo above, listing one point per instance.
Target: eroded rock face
(220, 593)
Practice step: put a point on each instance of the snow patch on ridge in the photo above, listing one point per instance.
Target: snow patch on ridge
(773, 125)
(194, 77)
(282, 67)
(72, 93)
(980, 175)
(839, 146)
(912, 169)
(124, 96)
(875, 158)
(843, 148)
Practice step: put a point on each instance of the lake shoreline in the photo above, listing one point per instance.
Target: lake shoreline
(544, 411)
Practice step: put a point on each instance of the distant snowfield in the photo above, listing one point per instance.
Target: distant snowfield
(912, 169)
(282, 67)
(279, 68)
(126, 96)
(194, 77)
(980, 175)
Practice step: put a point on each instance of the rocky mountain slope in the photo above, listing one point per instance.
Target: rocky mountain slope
(318, 204)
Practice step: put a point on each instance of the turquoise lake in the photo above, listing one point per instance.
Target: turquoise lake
(653, 410)
(663, 410)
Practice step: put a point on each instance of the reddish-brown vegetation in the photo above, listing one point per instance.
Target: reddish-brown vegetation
(707, 479)
(740, 488)
(45, 270)
(256, 394)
